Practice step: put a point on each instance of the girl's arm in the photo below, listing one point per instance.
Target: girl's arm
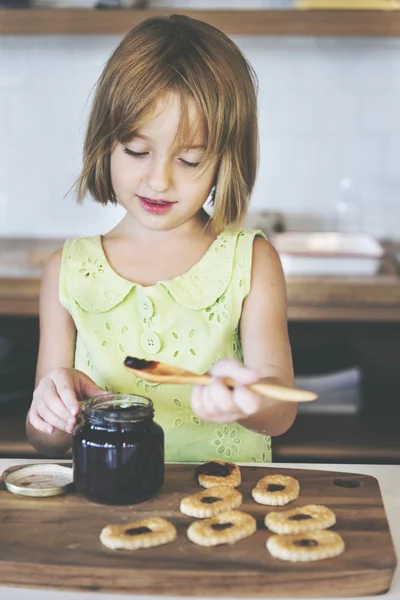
(57, 328)
(265, 340)
(266, 353)
(51, 417)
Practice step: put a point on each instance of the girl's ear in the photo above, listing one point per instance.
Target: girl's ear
(211, 196)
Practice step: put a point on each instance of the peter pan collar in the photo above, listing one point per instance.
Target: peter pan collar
(96, 287)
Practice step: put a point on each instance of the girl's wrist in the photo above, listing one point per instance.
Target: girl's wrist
(274, 417)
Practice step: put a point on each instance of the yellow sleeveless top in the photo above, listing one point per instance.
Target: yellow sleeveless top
(191, 321)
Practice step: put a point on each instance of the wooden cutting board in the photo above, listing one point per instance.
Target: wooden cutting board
(54, 542)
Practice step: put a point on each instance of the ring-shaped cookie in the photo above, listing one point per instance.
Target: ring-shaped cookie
(207, 503)
(217, 473)
(312, 517)
(139, 534)
(224, 528)
(276, 490)
(315, 545)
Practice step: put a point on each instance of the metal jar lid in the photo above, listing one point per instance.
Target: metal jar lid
(39, 480)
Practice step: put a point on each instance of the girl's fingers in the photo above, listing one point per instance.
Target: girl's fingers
(38, 422)
(215, 399)
(58, 415)
(55, 403)
(195, 398)
(221, 397)
(215, 403)
(88, 388)
(53, 419)
(215, 418)
(232, 418)
(235, 370)
(246, 401)
(65, 389)
(202, 405)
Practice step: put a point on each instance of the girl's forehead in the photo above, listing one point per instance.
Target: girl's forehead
(174, 112)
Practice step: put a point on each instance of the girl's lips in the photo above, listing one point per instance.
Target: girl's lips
(158, 207)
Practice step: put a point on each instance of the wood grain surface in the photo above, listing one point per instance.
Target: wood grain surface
(233, 22)
(54, 543)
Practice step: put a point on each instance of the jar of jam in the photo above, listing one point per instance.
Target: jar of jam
(118, 450)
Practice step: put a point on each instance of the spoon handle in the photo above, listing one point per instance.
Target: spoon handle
(280, 392)
(269, 390)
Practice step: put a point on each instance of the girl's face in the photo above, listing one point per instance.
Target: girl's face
(160, 184)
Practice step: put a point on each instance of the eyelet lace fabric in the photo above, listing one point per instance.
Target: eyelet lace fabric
(191, 321)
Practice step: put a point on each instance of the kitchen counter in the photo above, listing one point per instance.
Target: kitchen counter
(309, 298)
(328, 318)
(389, 480)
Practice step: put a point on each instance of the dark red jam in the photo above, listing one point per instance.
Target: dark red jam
(210, 500)
(306, 543)
(137, 530)
(300, 517)
(139, 363)
(275, 487)
(214, 469)
(118, 450)
(221, 526)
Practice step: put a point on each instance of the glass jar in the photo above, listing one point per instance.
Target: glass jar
(118, 450)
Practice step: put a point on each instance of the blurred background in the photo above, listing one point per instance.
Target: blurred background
(327, 194)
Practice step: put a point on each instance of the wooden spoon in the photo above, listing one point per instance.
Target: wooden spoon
(157, 372)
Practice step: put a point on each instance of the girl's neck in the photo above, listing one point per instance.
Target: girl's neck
(147, 256)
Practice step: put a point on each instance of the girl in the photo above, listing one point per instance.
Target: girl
(173, 124)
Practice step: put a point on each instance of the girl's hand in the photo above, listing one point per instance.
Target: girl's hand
(217, 403)
(55, 400)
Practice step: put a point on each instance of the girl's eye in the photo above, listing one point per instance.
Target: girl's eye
(142, 154)
(189, 164)
(133, 153)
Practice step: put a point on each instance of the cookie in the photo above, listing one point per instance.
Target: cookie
(300, 520)
(276, 490)
(208, 503)
(315, 545)
(217, 473)
(139, 534)
(224, 528)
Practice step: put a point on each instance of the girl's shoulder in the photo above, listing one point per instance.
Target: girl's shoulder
(240, 240)
(225, 266)
(82, 247)
(87, 279)
(248, 243)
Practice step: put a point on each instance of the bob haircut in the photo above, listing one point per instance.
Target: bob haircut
(197, 61)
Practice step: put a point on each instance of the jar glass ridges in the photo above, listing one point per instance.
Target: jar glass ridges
(118, 450)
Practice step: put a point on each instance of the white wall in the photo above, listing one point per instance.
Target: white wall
(328, 108)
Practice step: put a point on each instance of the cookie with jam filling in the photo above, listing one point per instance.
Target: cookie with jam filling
(139, 534)
(207, 503)
(215, 473)
(224, 528)
(276, 490)
(315, 545)
(312, 517)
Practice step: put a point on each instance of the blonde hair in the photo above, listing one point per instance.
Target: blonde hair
(198, 61)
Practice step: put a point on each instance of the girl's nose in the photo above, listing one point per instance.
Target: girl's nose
(159, 175)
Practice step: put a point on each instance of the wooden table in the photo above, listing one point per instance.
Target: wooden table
(389, 480)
